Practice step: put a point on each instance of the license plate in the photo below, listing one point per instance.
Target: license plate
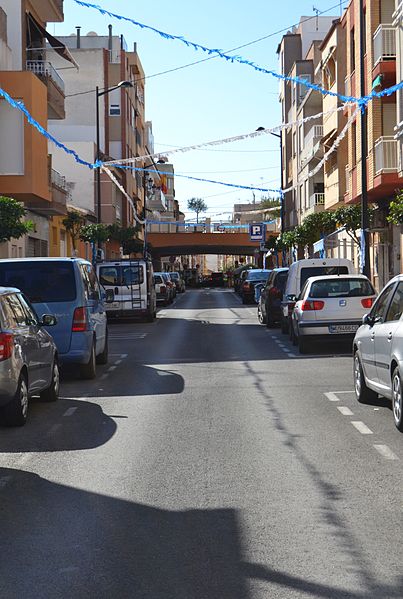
(343, 328)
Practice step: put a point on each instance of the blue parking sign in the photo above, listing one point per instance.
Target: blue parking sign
(257, 232)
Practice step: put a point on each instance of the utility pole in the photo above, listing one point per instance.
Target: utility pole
(364, 246)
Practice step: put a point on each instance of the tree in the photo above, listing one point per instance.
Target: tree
(396, 210)
(95, 233)
(197, 205)
(11, 224)
(73, 224)
(122, 234)
(349, 217)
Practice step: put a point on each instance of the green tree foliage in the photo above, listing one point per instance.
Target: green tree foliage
(349, 217)
(98, 233)
(11, 224)
(73, 224)
(197, 205)
(122, 234)
(396, 210)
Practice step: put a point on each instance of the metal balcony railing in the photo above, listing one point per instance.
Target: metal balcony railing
(317, 199)
(42, 68)
(59, 181)
(384, 43)
(310, 143)
(347, 179)
(386, 158)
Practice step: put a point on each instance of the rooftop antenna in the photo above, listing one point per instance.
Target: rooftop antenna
(317, 16)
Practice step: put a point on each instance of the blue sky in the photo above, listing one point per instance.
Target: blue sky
(211, 100)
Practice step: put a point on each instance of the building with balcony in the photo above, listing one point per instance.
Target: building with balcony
(104, 62)
(398, 24)
(28, 75)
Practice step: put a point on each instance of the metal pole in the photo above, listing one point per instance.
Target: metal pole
(282, 207)
(364, 247)
(98, 170)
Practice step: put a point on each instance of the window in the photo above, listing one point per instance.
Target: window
(354, 143)
(28, 309)
(16, 308)
(41, 281)
(352, 50)
(90, 282)
(396, 305)
(379, 310)
(341, 288)
(119, 276)
(318, 271)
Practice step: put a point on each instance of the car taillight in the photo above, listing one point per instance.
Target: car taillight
(308, 305)
(80, 321)
(163, 289)
(367, 302)
(6, 346)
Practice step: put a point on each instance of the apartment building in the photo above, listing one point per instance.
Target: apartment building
(104, 62)
(398, 25)
(383, 177)
(299, 55)
(26, 170)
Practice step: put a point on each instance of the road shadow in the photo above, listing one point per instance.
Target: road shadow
(86, 427)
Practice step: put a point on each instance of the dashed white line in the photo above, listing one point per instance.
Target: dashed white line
(386, 452)
(111, 368)
(117, 362)
(345, 411)
(332, 396)
(361, 427)
(69, 412)
(124, 355)
(103, 376)
(341, 392)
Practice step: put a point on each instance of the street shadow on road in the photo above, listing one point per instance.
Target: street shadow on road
(75, 543)
(85, 427)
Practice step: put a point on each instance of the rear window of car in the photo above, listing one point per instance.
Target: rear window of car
(281, 279)
(121, 275)
(258, 275)
(318, 271)
(341, 288)
(41, 282)
(175, 275)
(157, 279)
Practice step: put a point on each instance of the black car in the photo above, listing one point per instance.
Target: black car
(248, 286)
(215, 279)
(269, 307)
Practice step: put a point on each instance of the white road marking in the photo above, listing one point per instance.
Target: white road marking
(54, 428)
(111, 368)
(274, 336)
(4, 480)
(332, 396)
(345, 411)
(124, 355)
(290, 355)
(361, 427)
(386, 452)
(69, 412)
(104, 376)
(340, 392)
(118, 362)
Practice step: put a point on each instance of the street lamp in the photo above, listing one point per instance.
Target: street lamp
(121, 85)
(282, 207)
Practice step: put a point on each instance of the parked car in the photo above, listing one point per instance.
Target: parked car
(330, 306)
(162, 292)
(68, 288)
(269, 306)
(177, 279)
(248, 286)
(258, 291)
(240, 275)
(214, 279)
(298, 274)
(378, 350)
(170, 284)
(132, 284)
(29, 363)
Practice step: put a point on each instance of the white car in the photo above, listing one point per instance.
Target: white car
(378, 350)
(330, 306)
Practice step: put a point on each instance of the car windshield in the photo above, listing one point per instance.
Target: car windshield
(175, 276)
(120, 275)
(341, 288)
(258, 275)
(40, 281)
(157, 279)
(318, 271)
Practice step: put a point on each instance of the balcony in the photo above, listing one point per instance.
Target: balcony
(384, 43)
(386, 158)
(55, 84)
(317, 199)
(61, 194)
(311, 144)
(347, 179)
(50, 11)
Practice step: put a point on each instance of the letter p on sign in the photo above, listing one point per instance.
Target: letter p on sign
(256, 232)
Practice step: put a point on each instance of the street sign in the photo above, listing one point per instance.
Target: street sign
(257, 232)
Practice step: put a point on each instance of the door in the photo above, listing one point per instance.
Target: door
(368, 333)
(384, 336)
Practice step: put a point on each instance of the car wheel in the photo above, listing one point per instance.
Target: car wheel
(103, 357)
(362, 393)
(15, 413)
(260, 316)
(89, 370)
(52, 392)
(397, 400)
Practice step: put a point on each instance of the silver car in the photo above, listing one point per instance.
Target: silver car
(28, 357)
(378, 350)
(330, 307)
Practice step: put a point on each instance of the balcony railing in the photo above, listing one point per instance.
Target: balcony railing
(347, 179)
(317, 199)
(386, 159)
(42, 68)
(311, 142)
(384, 43)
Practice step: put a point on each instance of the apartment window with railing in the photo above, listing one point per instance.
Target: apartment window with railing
(352, 50)
(354, 143)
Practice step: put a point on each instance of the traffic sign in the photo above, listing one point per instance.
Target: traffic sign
(257, 232)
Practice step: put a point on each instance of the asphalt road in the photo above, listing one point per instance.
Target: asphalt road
(208, 460)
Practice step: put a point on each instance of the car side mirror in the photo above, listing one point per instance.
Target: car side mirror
(109, 296)
(48, 320)
(368, 319)
(292, 298)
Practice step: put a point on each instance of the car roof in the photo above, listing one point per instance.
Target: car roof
(4, 290)
(336, 276)
(16, 260)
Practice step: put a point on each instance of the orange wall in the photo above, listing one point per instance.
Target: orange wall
(26, 86)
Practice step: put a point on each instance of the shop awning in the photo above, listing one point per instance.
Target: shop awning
(56, 44)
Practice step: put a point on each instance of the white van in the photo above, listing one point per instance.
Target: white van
(300, 271)
(132, 282)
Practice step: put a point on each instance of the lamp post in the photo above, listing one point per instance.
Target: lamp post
(121, 85)
(282, 207)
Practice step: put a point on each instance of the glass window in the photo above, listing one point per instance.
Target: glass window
(341, 288)
(379, 310)
(90, 281)
(281, 280)
(132, 275)
(396, 305)
(17, 310)
(119, 276)
(40, 281)
(109, 275)
(8, 320)
(28, 309)
(157, 279)
(258, 275)
(318, 271)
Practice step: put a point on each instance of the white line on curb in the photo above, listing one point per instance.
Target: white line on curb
(345, 411)
(361, 427)
(386, 452)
